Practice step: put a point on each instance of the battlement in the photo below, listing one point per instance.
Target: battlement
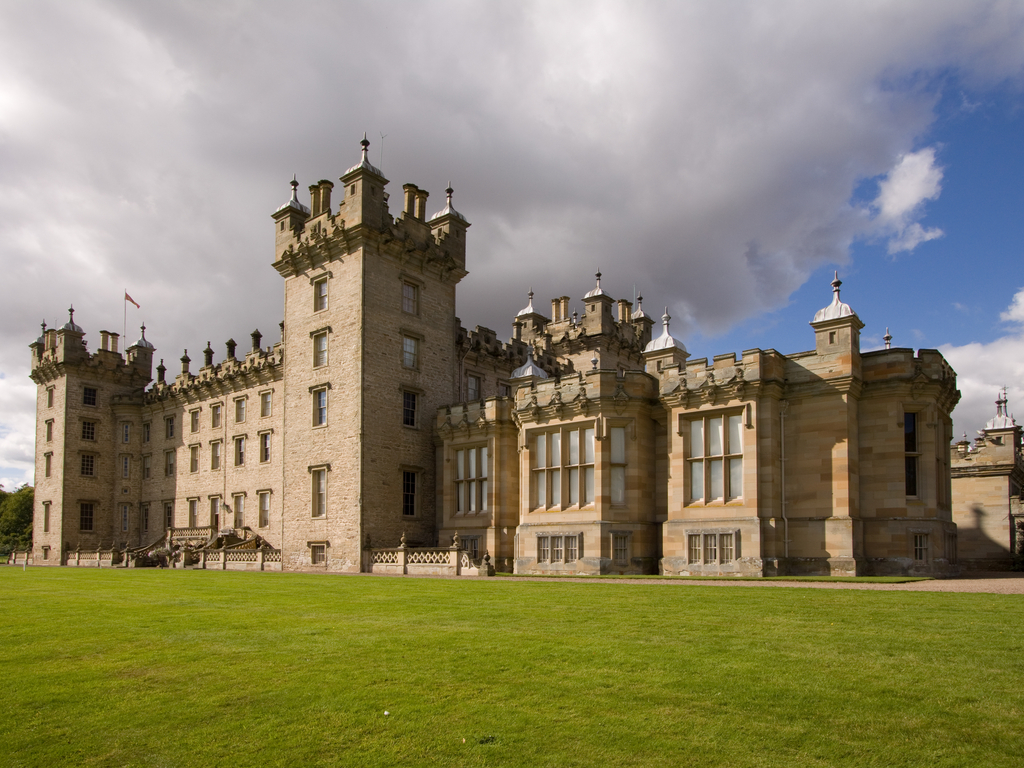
(308, 236)
(258, 367)
(58, 349)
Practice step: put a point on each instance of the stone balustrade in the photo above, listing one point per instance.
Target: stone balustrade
(425, 561)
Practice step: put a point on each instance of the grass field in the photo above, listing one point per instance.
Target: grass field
(192, 668)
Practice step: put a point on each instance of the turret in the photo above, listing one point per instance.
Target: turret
(289, 220)
(449, 229)
(837, 330)
(599, 318)
(364, 193)
(665, 350)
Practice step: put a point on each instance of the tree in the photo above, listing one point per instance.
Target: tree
(16, 519)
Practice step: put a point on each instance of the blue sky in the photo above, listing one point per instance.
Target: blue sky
(724, 157)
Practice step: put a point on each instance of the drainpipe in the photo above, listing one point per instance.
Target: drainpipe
(783, 407)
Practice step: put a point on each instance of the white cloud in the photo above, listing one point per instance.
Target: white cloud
(983, 369)
(901, 195)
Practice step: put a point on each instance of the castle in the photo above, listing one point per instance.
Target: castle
(378, 426)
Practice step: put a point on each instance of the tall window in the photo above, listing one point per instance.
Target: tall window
(319, 494)
(618, 446)
(145, 432)
(547, 470)
(193, 419)
(266, 401)
(215, 455)
(46, 517)
(88, 430)
(89, 466)
(265, 447)
(85, 511)
(47, 464)
(145, 517)
(239, 502)
(620, 547)
(193, 513)
(239, 451)
(49, 430)
(472, 388)
(580, 466)
(168, 514)
(921, 547)
(320, 407)
(193, 458)
(124, 517)
(126, 433)
(215, 416)
(409, 482)
(320, 294)
(471, 479)
(169, 427)
(716, 458)
(49, 397)
(126, 467)
(410, 352)
(240, 410)
(169, 463)
(410, 299)
(147, 467)
(911, 448)
(409, 409)
(215, 513)
(710, 548)
(320, 349)
(89, 398)
(264, 508)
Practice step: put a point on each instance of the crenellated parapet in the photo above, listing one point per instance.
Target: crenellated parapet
(926, 373)
(58, 350)
(477, 419)
(257, 368)
(584, 394)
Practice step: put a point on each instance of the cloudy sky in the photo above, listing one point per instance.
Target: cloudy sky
(721, 157)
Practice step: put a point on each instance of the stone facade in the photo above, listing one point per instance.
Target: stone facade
(584, 444)
(988, 476)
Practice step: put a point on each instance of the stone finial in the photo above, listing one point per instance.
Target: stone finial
(401, 544)
(185, 360)
(257, 339)
(365, 144)
(594, 361)
(456, 542)
(887, 338)
(231, 348)
(208, 355)
(161, 372)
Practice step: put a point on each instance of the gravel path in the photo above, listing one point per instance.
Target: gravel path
(994, 583)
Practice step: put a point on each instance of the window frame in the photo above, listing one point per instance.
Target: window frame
(410, 298)
(88, 465)
(318, 492)
(321, 295)
(239, 450)
(570, 482)
(470, 478)
(240, 408)
(238, 510)
(320, 349)
(193, 458)
(912, 454)
(410, 408)
(410, 352)
(411, 491)
(216, 415)
(473, 393)
(170, 463)
(89, 430)
(726, 456)
(216, 455)
(169, 427)
(320, 409)
(263, 521)
(193, 417)
(266, 403)
(264, 447)
(86, 515)
(90, 396)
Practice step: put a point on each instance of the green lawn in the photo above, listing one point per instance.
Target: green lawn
(181, 668)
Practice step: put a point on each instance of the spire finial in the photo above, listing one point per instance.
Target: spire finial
(530, 294)
(887, 338)
(598, 276)
(836, 282)
(295, 188)
(639, 303)
(143, 328)
(449, 192)
(365, 144)
(44, 327)
(71, 314)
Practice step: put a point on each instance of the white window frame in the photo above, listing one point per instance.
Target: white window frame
(471, 473)
(714, 462)
(563, 473)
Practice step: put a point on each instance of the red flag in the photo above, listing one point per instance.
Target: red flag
(133, 301)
